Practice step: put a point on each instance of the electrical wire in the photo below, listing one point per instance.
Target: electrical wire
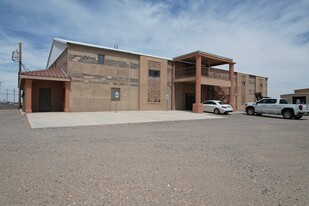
(25, 68)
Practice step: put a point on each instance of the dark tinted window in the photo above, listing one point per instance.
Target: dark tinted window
(100, 59)
(154, 73)
(283, 101)
(270, 101)
(209, 102)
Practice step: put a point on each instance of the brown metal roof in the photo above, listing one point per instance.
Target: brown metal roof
(49, 73)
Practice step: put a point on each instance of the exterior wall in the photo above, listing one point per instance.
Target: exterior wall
(296, 96)
(302, 90)
(301, 95)
(61, 62)
(181, 89)
(57, 94)
(91, 82)
(246, 87)
(162, 84)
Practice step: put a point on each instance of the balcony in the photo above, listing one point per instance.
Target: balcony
(207, 72)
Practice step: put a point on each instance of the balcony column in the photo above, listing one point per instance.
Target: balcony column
(231, 71)
(66, 96)
(28, 93)
(173, 85)
(198, 106)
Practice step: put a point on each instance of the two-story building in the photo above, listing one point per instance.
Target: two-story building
(83, 77)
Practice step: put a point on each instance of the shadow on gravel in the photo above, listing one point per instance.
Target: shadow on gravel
(274, 117)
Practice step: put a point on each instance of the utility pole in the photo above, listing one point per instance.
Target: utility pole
(20, 60)
(7, 97)
(14, 96)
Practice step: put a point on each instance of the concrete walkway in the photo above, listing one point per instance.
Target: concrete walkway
(73, 119)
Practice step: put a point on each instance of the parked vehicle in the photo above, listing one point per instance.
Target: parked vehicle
(275, 106)
(217, 107)
(306, 109)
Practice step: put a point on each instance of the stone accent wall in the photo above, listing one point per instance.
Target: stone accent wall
(103, 79)
(107, 61)
(154, 90)
(154, 83)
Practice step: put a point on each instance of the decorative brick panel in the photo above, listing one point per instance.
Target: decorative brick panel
(154, 83)
(154, 90)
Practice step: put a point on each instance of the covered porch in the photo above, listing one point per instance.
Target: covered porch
(44, 91)
(196, 78)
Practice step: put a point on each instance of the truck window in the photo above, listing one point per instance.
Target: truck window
(271, 101)
(283, 101)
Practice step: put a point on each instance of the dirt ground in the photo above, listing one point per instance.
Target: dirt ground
(238, 160)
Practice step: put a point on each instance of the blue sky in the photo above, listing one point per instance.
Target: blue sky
(266, 38)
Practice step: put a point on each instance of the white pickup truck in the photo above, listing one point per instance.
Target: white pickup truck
(275, 106)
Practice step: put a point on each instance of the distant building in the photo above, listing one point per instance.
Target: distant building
(299, 96)
(82, 77)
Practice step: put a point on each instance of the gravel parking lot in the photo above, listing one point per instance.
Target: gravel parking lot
(238, 160)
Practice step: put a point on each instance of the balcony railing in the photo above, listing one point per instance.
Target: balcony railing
(206, 72)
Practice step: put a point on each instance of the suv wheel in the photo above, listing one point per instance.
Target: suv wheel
(250, 111)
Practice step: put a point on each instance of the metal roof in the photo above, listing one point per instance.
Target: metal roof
(60, 45)
(50, 73)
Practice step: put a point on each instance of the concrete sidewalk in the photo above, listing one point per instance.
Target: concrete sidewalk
(73, 119)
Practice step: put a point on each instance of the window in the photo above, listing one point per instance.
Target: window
(100, 59)
(270, 101)
(113, 91)
(283, 101)
(154, 73)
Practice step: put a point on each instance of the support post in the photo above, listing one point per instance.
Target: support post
(198, 106)
(231, 72)
(66, 96)
(28, 86)
(173, 86)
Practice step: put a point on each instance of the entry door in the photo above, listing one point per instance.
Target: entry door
(190, 100)
(45, 100)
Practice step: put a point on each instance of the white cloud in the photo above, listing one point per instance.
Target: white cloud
(267, 38)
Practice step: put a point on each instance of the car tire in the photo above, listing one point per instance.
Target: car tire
(250, 111)
(217, 111)
(287, 114)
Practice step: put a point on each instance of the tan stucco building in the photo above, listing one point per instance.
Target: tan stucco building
(299, 96)
(82, 77)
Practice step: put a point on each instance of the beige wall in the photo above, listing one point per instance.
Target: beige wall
(298, 94)
(165, 80)
(302, 90)
(91, 82)
(246, 87)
